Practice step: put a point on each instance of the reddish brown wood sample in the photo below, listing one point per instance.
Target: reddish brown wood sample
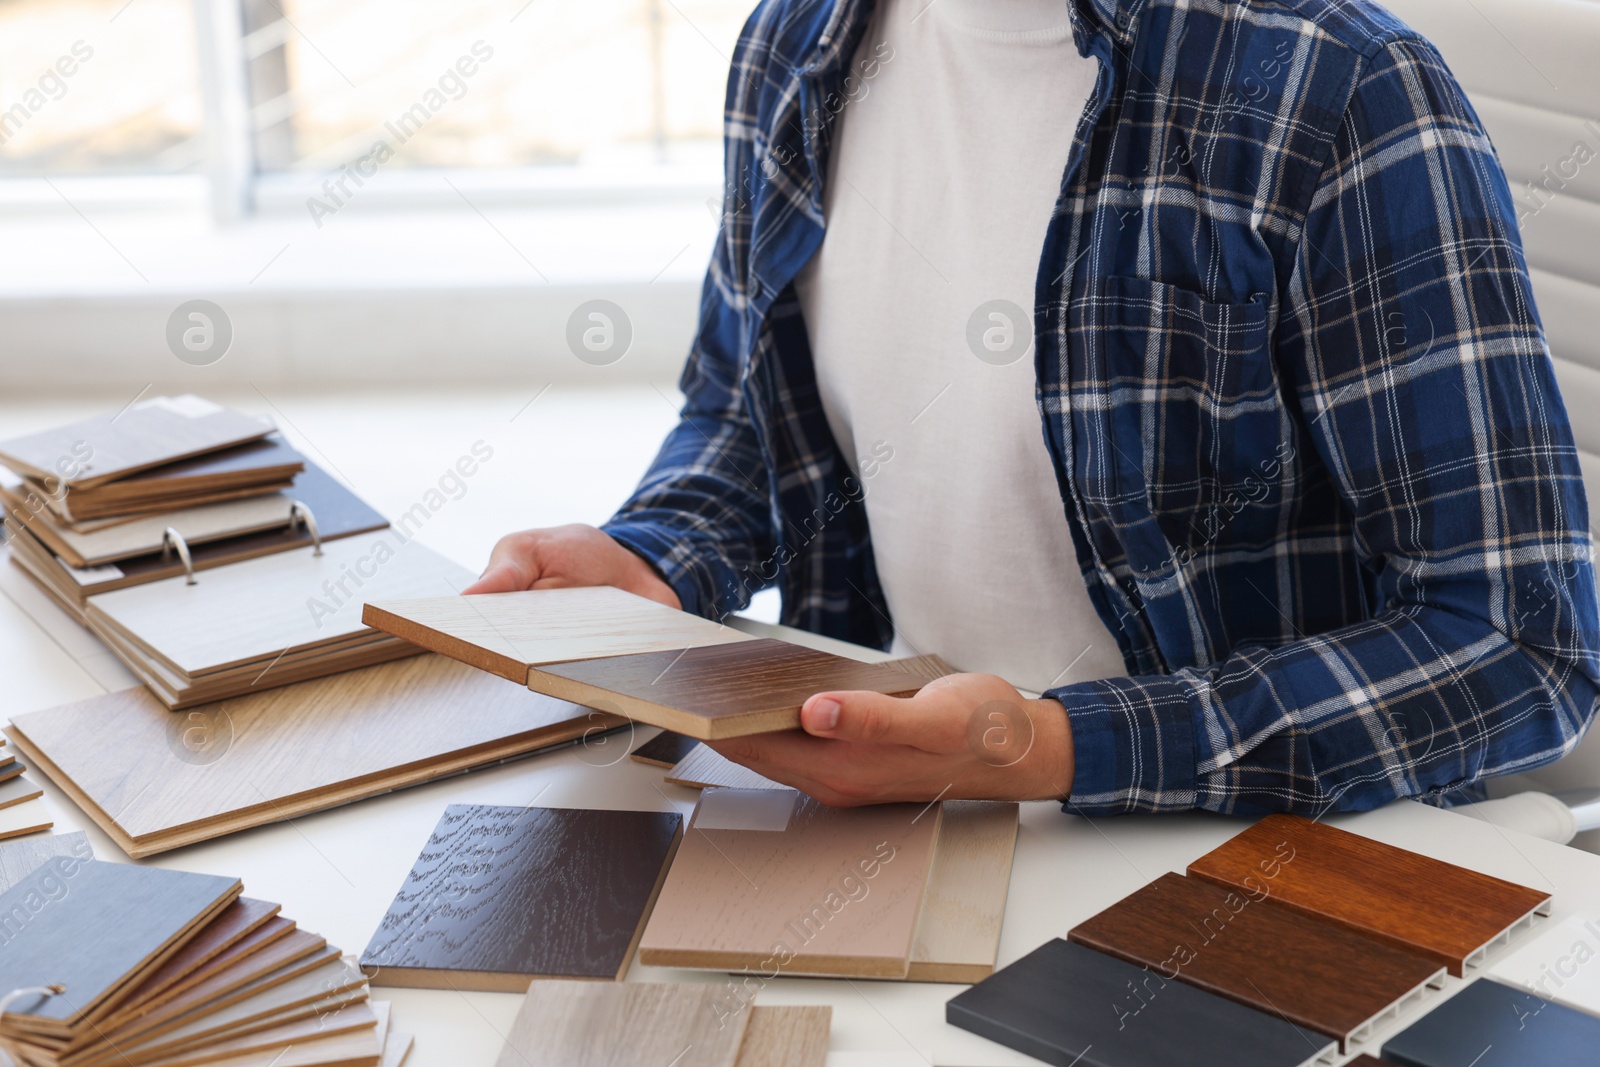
(1446, 912)
(1315, 974)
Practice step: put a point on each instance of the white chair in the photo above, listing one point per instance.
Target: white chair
(1529, 69)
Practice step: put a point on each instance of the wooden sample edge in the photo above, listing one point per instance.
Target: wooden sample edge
(454, 647)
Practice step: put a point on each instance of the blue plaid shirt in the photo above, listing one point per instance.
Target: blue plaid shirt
(1320, 480)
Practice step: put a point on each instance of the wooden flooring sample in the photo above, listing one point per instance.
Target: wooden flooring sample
(503, 895)
(93, 929)
(1492, 1025)
(704, 767)
(156, 780)
(255, 610)
(23, 856)
(1317, 975)
(817, 890)
(625, 1024)
(146, 434)
(665, 749)
(18, 790)
(716, 691)
(234, 924)
(1075, 1007)
(29, 817)
(1447, 912)
(958, 931)
(509, 633)
(786, 1037)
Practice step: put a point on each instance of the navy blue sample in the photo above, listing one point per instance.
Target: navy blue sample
(1489, 1024)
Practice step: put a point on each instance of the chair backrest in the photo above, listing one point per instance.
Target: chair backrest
(1532, 71)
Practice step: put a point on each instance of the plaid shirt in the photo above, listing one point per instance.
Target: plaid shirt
(1320, 480)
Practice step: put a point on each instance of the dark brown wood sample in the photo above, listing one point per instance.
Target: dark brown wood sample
(502, 895)
(665, 749)
(1317, 975)
(95, 928)
(716, 691)
(1443, 911)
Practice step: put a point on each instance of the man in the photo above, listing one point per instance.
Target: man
(1303, 529)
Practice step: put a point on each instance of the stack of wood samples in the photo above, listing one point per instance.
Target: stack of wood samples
(1448, 913)
(623, 653)
(1072, 1006)
(1319, 976)
(587, 1024)
(770, 880)
(503, 895)
(18, 859)
(1488, 1024)
(22, 807)
(154, 780)
(144, 967)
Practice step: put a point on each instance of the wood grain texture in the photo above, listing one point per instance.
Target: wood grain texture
(704, 767)
(786, 1037)
(1446, 912)
(24, 856)
(30, 817)
(594, 1024)
(958, 930)
(1317, 975)
(502, 895)
(665, 749)
(508, 633)
(154, 780)
(837, 892)
(1075, 1007)
(1488, 1024)
(256, 610)
(719, 691)
(96, 928)
(149, 433)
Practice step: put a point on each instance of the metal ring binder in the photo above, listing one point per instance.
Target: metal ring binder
(299, 512)
(43, 992)
(171, 540)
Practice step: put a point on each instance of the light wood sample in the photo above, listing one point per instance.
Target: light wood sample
(958, 931)
(143, 435)
(509, 633)
(154, 780)
(836, 892)
(502, 895)
(22, 857)
(18, 790)
(625, 1024)
(253, 611)
(29, 817)
(1444, 911)
(786, 1037)
(716, 691)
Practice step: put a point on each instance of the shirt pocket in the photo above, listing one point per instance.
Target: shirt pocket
(1186, 422)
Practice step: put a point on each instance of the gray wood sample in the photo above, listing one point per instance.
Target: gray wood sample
(628, 1024)
(502, 895)
(22, 857)
(93, 927)
(1488, 1024)
(1075, 1007)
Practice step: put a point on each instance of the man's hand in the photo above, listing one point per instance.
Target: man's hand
(566, 556)
(967, 736)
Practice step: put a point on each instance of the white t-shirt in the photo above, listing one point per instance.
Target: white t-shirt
(943, 177)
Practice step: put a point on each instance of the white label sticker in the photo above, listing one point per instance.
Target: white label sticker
(188, 405)
(744, 809)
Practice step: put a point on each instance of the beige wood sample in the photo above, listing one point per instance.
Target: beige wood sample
(705, 767)
(326, 1021)
(786, 1037)
(257, 609)
(833, 892)
(18, 790)
(509, 633)
(30, 817)
(958, 932)
(154, 780)
(716, 691)
(396, 1047)
(603, 1024)
(145, 434)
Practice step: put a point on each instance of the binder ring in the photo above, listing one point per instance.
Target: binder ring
(299, 512)
(43, 992)
(171, 540)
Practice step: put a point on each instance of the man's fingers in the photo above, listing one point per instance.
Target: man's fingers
(506, 577)
(861, 716)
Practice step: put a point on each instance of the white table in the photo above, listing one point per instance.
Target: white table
(335, 872)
